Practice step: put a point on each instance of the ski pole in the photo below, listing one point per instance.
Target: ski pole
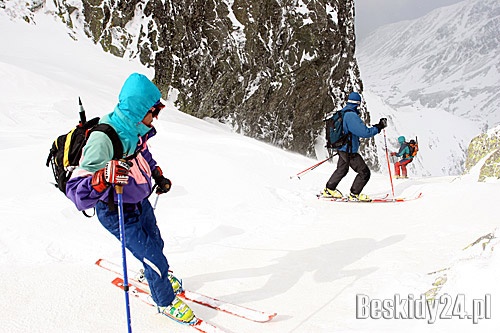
(388, 163)
(119, 193)
(157, 196)
(156, 201)
(83, 119)
(312, 167)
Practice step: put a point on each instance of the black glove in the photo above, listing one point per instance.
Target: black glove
(164, 184)
(381, 124)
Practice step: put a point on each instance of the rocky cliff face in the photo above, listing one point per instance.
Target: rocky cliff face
(271, 69)
(486, 145)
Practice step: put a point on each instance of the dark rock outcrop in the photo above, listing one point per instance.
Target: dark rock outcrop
(271, 69)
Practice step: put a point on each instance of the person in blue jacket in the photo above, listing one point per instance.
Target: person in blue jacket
(348, 155)
(91, 185)
(406, 158)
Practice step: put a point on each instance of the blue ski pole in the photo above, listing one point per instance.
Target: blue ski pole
(119, 193)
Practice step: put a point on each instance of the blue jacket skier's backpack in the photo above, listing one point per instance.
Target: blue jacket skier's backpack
(334, 129)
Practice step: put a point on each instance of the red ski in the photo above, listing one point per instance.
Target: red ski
(234, 309)
(144, 296)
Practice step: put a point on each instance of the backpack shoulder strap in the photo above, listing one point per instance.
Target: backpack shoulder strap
(117, 154)
(113, 136)
(349, 134)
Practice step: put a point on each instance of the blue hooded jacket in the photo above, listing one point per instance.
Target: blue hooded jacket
(137, 96)
(354, 125)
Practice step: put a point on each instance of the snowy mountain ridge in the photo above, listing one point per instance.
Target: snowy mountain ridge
(447, 59)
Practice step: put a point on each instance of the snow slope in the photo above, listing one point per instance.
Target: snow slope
(447, 59)
(438, 75)
(235, 225)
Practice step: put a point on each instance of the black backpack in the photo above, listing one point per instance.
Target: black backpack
(334, 129)
(66, 151)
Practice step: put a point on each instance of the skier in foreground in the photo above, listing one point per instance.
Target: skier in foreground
(91, 186)
(348, 153)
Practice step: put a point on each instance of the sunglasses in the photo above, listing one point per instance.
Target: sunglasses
(155, 109)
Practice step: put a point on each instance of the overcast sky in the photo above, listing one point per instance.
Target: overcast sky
(371, 14)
